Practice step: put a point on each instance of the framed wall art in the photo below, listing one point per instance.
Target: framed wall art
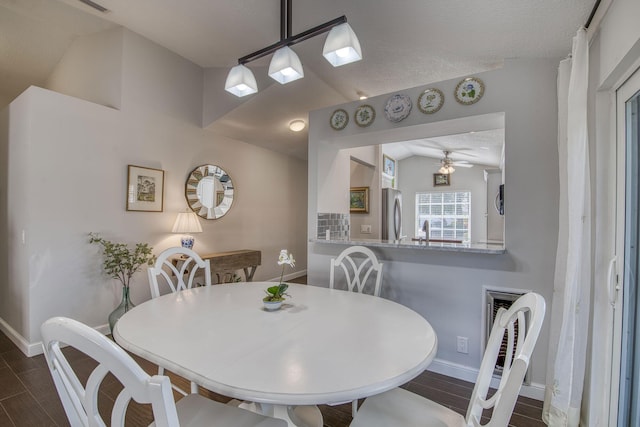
(145, 189)
(388, 166)
(359, 200)
(441, 179)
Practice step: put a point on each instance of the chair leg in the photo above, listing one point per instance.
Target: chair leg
(354, 408)
(194, 388)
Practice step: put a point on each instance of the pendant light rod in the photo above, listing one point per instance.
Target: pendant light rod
(291, 40)
(286, 3)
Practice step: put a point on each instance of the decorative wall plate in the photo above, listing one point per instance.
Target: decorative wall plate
(469, 90)
(397, 108)
(431, 100)
(339, 119)
(364, 115)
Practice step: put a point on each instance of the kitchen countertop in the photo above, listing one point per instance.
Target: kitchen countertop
(483, 248)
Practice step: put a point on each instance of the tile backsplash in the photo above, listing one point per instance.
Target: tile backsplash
(336, 223)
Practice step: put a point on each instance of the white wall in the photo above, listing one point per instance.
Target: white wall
(91, 69)
(14, 147)
(67, 171)
(447, 288)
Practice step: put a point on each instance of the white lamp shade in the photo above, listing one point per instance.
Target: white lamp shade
(342, 46)
(285, 66)
(187, 222)
(241, 81)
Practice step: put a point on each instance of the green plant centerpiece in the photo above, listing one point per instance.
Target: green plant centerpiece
(121, 262)
(277, 293)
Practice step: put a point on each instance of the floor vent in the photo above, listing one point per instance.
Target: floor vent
(495, 300)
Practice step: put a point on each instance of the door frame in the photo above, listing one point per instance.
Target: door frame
(616, 282)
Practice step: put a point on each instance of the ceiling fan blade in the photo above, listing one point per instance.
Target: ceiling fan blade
(462, 165)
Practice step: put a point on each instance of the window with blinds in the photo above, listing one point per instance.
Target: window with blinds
(448, 213)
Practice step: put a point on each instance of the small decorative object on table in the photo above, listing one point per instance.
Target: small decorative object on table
(122, 263)
(277, 293)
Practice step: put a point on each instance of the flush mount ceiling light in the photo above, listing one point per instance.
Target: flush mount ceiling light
(341, 47)
(297, 125)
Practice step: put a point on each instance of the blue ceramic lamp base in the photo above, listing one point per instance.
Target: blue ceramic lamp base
(187, 241)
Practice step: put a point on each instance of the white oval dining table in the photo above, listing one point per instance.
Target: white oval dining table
(322, 346)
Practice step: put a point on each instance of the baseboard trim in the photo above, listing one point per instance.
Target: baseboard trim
(34, 349)
(29, 349)
(466, 373)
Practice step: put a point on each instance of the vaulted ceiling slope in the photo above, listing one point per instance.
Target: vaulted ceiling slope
(405, 44)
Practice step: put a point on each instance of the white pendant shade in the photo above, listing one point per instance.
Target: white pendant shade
(241, 81)
(285, 66)
(342, 46)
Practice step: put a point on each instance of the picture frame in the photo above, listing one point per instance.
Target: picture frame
(359, 200)
(440, 179)
(388, 166)
(145, 189)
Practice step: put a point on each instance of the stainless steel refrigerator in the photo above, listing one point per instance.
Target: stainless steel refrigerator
(391, 214)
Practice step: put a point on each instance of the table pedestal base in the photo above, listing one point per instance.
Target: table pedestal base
(295, 416)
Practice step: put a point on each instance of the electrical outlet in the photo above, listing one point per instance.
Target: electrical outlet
(365, 228)
(462, 345)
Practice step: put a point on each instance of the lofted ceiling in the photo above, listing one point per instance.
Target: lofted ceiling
(478, 148)
(405, 44)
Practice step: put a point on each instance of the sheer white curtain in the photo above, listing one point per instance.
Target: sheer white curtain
(570, 307)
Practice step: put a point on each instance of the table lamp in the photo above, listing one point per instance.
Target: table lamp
(187, 223)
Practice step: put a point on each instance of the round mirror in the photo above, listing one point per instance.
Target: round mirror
(209, 191)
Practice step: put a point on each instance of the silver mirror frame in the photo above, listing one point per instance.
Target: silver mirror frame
(220, 191)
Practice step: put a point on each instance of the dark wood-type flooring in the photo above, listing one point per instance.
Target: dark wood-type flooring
(28, 397)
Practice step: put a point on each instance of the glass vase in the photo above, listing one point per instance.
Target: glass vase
(124, 306)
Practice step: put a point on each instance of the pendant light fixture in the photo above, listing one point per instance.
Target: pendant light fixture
(341, 47)
(241, 81)
(285, 66)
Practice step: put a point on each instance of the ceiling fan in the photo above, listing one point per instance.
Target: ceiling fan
(447, 164)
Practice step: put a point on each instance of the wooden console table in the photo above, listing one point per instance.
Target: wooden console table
(224, 264)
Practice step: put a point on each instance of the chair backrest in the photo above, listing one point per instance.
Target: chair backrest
(81, 402)
(357, 274)
(522, 332)
(176, 269)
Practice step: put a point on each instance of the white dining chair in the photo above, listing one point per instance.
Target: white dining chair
(176, 269)
(399, 407)
(80, 401)
(358, 263)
